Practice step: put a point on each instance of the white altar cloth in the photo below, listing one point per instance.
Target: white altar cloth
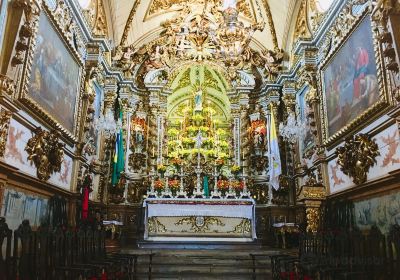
(186, 207)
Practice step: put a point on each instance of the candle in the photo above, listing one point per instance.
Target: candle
(243, 154)
(153, 152)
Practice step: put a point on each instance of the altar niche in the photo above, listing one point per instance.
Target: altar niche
(197, 162)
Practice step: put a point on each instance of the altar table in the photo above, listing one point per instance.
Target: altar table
(176, 219)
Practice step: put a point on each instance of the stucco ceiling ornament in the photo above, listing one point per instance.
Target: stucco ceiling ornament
(198, 35)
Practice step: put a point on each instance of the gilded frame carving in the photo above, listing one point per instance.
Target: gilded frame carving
(384, 100)
(64, 30)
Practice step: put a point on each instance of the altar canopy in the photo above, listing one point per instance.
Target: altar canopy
(199, 219)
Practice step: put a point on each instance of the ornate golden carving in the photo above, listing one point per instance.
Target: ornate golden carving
(301, 30)
(155, 226)
(163, 6)
(96, 17)
(5, 117)
(200, 224)
(244, 227)
(45, 152)
(313, 218)
(357, 156)
(31, 11)
(314, 192)
(6, 86)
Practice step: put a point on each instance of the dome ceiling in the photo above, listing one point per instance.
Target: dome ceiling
(139, 22)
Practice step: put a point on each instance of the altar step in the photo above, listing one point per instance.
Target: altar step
(199, 245)
(203, 264)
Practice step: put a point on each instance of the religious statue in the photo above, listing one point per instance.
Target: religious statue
(198, 100)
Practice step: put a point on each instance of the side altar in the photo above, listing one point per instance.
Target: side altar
(176, 219)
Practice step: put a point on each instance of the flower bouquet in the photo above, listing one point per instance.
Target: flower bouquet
(238, 186)
(219, 162)
(174, 185)
(235, 169)
(176, 161)
(161, 168)
(223, 186)
(159, 186)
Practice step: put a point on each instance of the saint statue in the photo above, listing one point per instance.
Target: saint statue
(198, 100)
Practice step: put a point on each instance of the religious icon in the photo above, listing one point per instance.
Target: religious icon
(198, 100)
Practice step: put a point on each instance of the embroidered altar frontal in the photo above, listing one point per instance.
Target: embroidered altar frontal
(199, 219)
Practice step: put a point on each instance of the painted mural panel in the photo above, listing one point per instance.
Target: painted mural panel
(15, 154)
(350, 79)
(389, 160)
(55, 75)
(63, 178)
(19, 206)
(382, 211)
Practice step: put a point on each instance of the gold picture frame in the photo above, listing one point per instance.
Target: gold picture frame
(59, 88)
(369, 105)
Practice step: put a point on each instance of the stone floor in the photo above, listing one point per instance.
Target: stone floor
(211, 263)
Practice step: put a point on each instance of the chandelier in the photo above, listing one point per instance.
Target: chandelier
(294, 130)
(107, 124)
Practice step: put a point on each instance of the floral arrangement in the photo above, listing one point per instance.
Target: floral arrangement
(223, 144)
(173, 132)
(220, 161)
(173, 184)
(197, 117)
(187, 140)
(161, 168)
(238, 185)
(221, 132)
(204, 128)
(223, 185)
(176, 161)
(158, 185)
(235, 169)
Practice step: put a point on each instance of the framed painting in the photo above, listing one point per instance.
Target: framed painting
(55, 75)
(350, 79)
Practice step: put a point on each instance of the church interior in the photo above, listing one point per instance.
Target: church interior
(200, 139)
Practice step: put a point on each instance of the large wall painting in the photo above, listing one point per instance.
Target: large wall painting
(388, 142)
(382, 211)
(55, 75)
(19, 206)
(350, 79)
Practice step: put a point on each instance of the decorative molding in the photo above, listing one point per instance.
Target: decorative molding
(357, 156)
(7, 86)
(46, 152)
(5, 117)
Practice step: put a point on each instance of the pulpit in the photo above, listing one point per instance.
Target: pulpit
(174, 219)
